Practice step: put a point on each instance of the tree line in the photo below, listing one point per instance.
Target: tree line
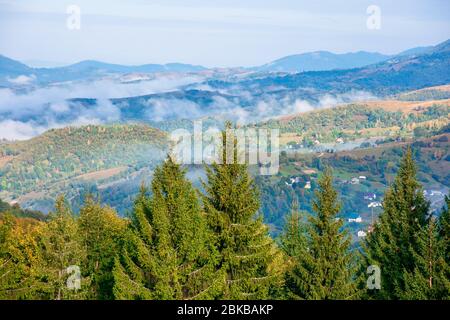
(180, 243)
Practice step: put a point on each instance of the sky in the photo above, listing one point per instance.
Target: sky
(213, 33)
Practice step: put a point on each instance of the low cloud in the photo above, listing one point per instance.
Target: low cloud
(24, 115)
(256, 109)
(22, 79)
(17, 130)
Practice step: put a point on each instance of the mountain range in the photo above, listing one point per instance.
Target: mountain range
(325, 60)
(322, 60)
(15, 72)
(88, 69)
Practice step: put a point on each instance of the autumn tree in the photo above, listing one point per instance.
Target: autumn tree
(19, 259)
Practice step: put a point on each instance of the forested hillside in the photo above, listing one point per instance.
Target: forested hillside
(364, 120)
(61, 158)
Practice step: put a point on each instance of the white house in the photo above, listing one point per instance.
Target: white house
(357, 220)
(308, 185)
(374, 204)
(293, 180)
(361, 234)
(370, 196)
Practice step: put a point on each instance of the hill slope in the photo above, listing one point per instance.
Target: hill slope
(49, 163)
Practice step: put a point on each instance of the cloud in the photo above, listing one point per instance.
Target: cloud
(169, 109)
(38, 109)
(22, 79)
(246, 108)
(17, 130)
(25, 115)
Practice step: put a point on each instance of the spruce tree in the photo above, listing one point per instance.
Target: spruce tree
(170, 243)
(444, 228)
(323, 264)
(101, 231)
(430, 277)
(247, 253)
(61, 248)
(395, 242)
(293, 239)
(134, 263)
(294, 243)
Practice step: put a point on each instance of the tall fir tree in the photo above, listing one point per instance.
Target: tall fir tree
(101, 231)
(134, 263)
(62, 251)
(322, 263)
(444, 228)
(444, 238)
(430, 277)
(172, 242)
(401, 239)
(293, 241)
(247, 253)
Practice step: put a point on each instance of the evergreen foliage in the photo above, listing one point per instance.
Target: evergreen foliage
(61, 248)
(101, 233)
(405, 242)
(169, 254)
(247, 253)
(323, 266)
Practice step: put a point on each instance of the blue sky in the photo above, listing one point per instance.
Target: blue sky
(213, 32)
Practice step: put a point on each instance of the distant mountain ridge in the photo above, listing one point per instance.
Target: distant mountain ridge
(12, 67)
(399, 73)
(86, 69)
(325, 60)
(322, 61)
(88, 65)
(304, 62)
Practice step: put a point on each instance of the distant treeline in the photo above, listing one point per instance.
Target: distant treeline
(179, 243)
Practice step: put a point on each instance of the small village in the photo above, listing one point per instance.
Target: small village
(361, 226)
